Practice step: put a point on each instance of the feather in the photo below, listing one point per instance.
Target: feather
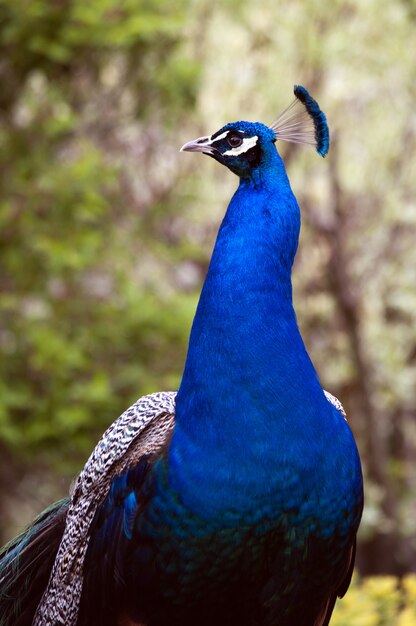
(303, 122)
(25, 565)
(140, 430)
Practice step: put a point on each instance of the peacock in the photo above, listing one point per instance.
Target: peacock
(236, 499)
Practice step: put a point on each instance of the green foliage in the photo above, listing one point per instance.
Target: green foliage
(378, 601)
(105, 234)
(58, 39)
(81, 336)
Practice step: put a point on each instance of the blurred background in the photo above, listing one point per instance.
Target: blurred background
(106, 230)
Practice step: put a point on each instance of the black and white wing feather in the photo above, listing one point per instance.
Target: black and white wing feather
(336, 403)
(143, 429)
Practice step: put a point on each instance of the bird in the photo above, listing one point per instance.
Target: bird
(237, 498)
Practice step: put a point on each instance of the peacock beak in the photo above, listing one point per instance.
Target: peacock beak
(202, 144)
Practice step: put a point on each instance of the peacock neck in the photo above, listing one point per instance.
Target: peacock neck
(246, 365)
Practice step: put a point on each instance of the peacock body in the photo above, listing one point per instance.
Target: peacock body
(236, 500)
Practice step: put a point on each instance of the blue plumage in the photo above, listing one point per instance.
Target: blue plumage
(246, 511)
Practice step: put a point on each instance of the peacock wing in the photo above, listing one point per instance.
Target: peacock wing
(141, 430)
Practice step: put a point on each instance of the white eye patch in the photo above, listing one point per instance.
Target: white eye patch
(248, 143)
(222, 136)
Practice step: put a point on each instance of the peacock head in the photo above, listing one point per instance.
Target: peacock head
(244, 146)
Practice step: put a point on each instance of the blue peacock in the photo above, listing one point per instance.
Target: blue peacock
(237, 499)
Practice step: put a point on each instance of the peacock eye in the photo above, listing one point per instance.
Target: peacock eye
(235, 140)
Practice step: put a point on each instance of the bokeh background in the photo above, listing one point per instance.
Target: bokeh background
(106, 230)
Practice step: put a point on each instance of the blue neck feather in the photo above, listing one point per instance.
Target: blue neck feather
(249, 387)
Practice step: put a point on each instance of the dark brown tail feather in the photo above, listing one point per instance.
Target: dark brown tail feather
(26, 563)
(325, 615)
